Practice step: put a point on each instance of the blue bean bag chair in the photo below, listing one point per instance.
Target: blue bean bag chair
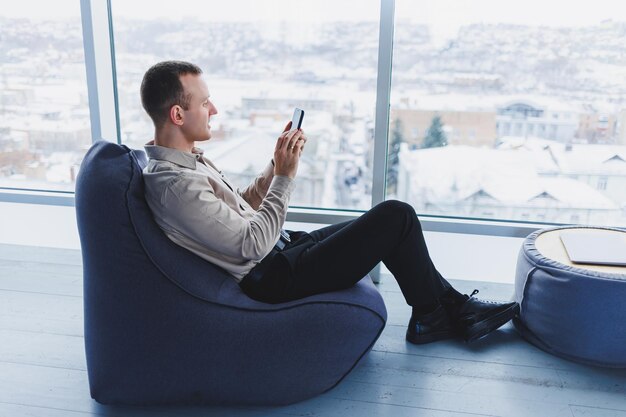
(572, 312)
(163, 326)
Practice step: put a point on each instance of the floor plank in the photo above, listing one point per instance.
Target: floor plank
(579, 411)
(43, 313)
(370, 408)
(430, 398)
(45, 278)
(43, 349)
(18, 410)
(40, 254)
(504, 381)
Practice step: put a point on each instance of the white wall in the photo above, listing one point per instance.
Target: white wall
(38, 225)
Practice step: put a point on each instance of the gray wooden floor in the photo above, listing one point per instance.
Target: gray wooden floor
(43, 373)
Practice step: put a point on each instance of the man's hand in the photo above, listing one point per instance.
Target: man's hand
(288, 151)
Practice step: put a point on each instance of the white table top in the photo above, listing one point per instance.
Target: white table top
(549, 245)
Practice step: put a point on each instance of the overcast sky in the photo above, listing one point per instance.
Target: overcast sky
(441, 15)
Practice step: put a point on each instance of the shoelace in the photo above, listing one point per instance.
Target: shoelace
(482, 301)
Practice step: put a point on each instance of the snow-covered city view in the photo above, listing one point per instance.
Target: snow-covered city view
(493, 120)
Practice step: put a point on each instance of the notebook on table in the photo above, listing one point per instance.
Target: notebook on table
(595, 248)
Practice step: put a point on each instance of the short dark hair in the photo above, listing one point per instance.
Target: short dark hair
(161, 89)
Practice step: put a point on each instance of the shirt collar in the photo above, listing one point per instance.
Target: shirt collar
(182, 158)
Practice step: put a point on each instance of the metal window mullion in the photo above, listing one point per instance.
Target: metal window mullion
(114, 72)
(383, 93)
(90, 68)
(97, 44)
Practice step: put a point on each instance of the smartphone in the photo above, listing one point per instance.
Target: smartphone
(296, 121)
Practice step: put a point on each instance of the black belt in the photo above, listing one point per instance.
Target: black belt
(257, 272)
(283, 240)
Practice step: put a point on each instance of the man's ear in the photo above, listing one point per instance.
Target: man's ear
(176, 115)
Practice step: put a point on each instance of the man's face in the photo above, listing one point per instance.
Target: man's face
(195, 125)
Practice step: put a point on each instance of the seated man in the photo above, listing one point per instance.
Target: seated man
(241, 230)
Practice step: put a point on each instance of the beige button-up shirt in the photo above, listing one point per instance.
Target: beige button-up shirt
(199, 209)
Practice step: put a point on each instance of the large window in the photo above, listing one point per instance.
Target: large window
(512, 111)
(261, 59)
(44, 110)
(497, 110)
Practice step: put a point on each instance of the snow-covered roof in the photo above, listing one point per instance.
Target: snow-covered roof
(574, 159)
(510, 177)
(593, 159)
(534, 191)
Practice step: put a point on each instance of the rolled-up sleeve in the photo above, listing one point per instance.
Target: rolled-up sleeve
(203, 217)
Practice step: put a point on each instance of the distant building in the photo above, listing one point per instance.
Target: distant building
(55, 136)
(472, 128)
(481, 81)
(524, 119)
(244, 156)
(261, 105)
(535, 180)
(621, 127)
(597, 127)
(602, 167)
(12, 96)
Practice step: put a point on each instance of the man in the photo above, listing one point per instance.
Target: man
(240, 230)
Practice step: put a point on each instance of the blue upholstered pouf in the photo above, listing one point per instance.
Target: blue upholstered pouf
(574, 311)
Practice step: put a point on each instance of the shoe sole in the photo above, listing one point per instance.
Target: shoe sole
(417, 339)
(483, 328)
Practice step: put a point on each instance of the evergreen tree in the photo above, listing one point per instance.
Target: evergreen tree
(435, 137)
(393, 158)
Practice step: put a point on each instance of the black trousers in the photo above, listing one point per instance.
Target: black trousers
(338, 256)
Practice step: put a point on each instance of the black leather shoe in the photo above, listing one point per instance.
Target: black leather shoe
(426, 328)
(476, 318)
